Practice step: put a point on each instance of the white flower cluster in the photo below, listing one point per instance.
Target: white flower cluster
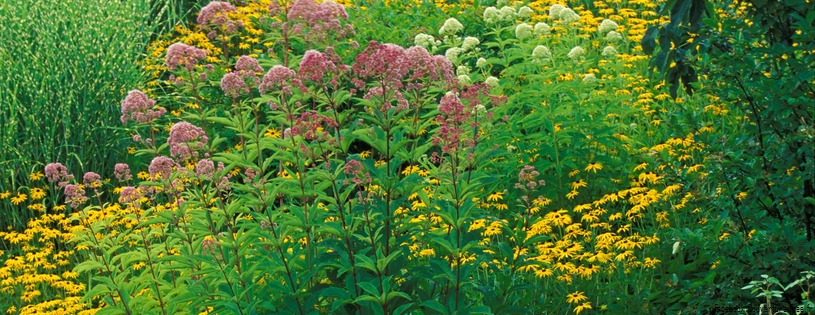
(568, 16)
(555, 9)
(525, 12)
(576, 53)
(482, 63)
(542, 29)
(541, 54)
(493, 15)
(462, 70)
(613, 36)
(451, 27)
(609, 51)
(464, 79)
(562, 13)
(469, 43)
(452, 54)
(427, 41)
(589, 78)
(492, 81)
(523, 31)
(607, 26)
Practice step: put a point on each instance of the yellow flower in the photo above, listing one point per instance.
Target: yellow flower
(594, 167)
(272, 133)
(365, 154)
(576, 297)
(410, 169)
(19, 198)
(578, 184)
(59, 208)
(131, 150)
(581, 307)
(143, 176)
(4, 195)
(496, 196)
(36, 193)
(35, 176)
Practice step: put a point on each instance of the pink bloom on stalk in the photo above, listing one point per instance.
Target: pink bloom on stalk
(56, 172)
(122, 172)
(321, 68)
(161, 167)
(180, 54)
(356, 170)
(526, 178)
(451, 119)
(215, 15)
(205, 168)
(384, 63)
(308, 123)
(426, 68)
(323, 19)
(129, 194)
(92, 179)
(277, 78)
(139, 108)
(75, 196)
(248, 69)
(186, 140)
(233, 85)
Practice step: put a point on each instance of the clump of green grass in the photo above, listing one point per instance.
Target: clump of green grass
(64, 67)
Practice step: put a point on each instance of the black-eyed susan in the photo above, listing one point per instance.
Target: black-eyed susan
(36, 193)
(593, 167)
(582, 307)
(496, 196)
(578, 184)
(35, 176)
(16, 200)
(576, 297)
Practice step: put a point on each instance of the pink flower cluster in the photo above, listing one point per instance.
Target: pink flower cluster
(129, 195)
(248, 67)
(91, 179)
(308, 123)
(206, 168)
(277, 79)
(452, 118)
(394, 69)
(384, 63)
(215, 16)
(233, 85)
(122, 172)
(186, 140)
(323, 69)
(322, 20)
(527, 178)
(186, 56)
(243, 79)
(56, 172)
(161, 167)
(356, 171)
(139, 108)
(75, 195)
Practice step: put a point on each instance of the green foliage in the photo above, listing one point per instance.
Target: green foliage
(753, 58)
(65, 66)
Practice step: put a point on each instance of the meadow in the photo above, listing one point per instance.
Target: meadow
(407, 157)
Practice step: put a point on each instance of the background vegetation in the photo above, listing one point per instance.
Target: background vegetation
(592, 157)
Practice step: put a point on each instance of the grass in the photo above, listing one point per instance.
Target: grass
(65, 67)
